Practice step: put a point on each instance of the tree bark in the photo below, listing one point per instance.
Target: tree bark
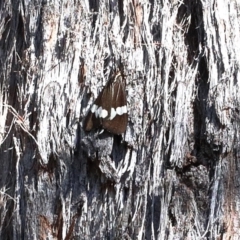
(173, 174)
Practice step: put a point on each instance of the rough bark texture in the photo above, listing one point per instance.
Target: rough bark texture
(173, 174)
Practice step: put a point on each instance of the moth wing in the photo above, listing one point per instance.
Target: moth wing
(116, 126)
(92, 121)
(109, 109)
(117, 119)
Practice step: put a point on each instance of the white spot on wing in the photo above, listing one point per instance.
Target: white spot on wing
(112, 114)
(99, 112)
(124, 109)
(104, 113)
(94, 108)
(118, 111)
(121, 110)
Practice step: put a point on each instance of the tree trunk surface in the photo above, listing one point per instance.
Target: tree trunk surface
(174, 173)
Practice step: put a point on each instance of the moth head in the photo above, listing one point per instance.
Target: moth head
(119, 77)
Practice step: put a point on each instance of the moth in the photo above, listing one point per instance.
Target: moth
(109, 111)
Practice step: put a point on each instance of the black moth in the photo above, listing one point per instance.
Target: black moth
(109, 110)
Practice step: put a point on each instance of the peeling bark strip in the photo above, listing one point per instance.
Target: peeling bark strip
(174, 175)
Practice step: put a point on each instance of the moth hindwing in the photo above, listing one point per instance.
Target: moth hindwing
(109, 110)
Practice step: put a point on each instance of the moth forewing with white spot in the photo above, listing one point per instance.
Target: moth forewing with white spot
(116, 122)
(109, 111)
